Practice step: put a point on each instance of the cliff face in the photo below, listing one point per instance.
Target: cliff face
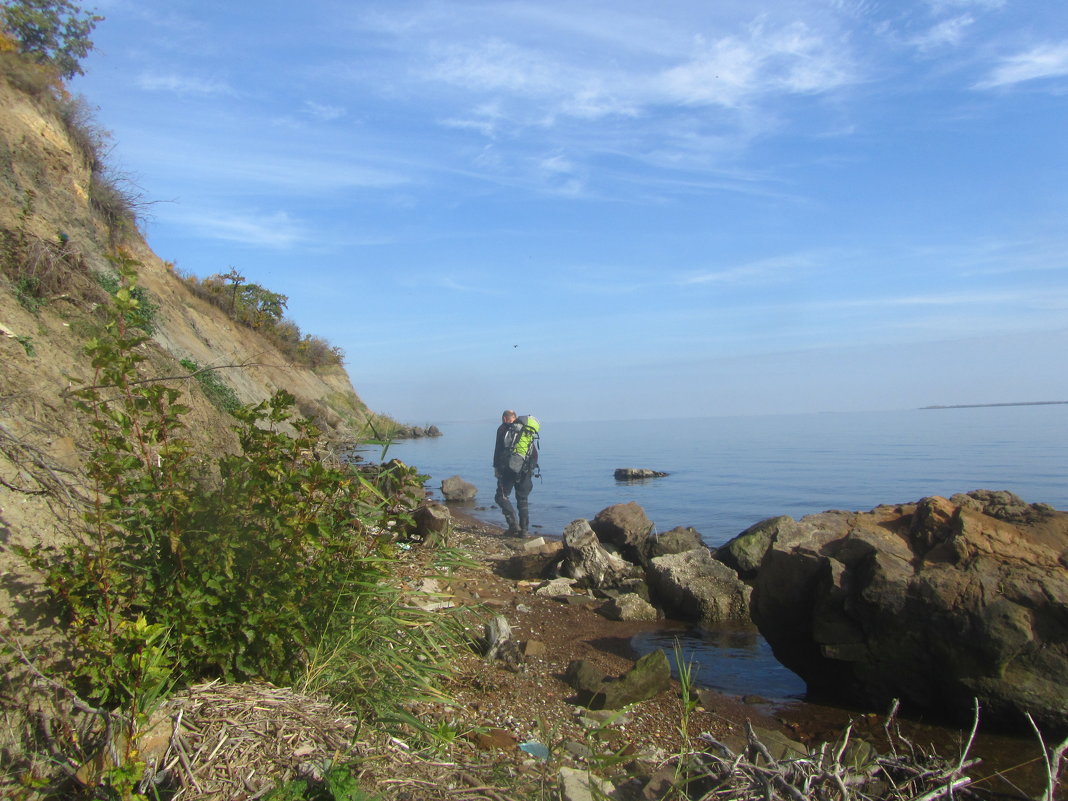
(56, 235)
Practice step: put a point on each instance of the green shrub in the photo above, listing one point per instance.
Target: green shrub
(140, 309)
(52, 32)
(27, 344)
(28, 293)
(258, 308)
(220, 393)
(337, 784)
(282, 573)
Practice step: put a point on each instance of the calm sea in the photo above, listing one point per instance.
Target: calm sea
(727, 473)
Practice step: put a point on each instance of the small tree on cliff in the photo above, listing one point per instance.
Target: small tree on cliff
(54, 32)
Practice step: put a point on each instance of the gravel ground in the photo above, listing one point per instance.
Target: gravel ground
(496, 708)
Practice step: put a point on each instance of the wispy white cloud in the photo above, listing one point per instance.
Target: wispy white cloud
(1048, 60)
(731, 71)
(184, 84)
(940, 6)
(237, 169)
(496, 65)
(947, 33)
(1044, 252)
(952, 298)
(467, 287)
(324, 112)
(275, 230)
(484, 119)
(774, 269)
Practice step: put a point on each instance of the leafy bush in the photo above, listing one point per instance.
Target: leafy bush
(140, 310)
(261, 309)
(53, 32)
(220, 393)
(40, 81)
(337, 784)
(283, 572)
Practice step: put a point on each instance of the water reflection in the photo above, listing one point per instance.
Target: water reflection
(732, 659)
(736, 660)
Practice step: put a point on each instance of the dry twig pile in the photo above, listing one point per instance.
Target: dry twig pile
(242, 740)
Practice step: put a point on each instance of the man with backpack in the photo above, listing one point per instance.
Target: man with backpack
(515, 460)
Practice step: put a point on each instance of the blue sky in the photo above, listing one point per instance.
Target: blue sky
(615, 209)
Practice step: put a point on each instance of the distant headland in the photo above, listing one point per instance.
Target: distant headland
(985, 405)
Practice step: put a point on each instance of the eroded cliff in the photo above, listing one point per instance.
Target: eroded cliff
(61, 228)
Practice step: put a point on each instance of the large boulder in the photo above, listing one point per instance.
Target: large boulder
(585, 559)
(625, 527)
(628, 606)
(937, 603)
(693, 586)
(678, 540)
(535, 561)
(456, 490)
(649, 677)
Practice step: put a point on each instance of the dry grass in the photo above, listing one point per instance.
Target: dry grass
(240, 740)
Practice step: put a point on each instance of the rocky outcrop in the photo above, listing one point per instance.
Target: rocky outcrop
(744, 552)
(535, 561)
(629, 606)
(617, 556)
(432, 522)
(936, 602)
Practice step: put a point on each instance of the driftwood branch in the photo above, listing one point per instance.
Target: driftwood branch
(1051, 758)
(971, 736)
(906, 774)
(183, 377)
(74, 698)
(38, 467)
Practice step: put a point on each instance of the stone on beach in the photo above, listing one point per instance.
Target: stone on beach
(624, 526)
(585, 559)
(650, 676)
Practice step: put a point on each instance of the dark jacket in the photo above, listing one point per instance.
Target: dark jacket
(500, 452)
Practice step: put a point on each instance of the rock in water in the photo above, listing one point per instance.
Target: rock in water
(694, 586)
(456, 489)
(636, 473)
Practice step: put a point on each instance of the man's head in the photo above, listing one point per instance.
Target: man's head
(508, 416)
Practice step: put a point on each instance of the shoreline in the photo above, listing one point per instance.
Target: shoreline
(577, 631)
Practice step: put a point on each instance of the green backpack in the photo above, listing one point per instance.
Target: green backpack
(522, 442)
